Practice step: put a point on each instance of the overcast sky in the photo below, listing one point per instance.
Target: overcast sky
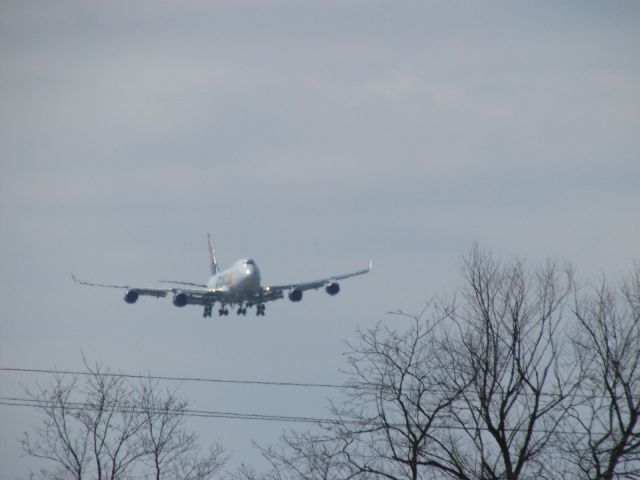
(311, 136)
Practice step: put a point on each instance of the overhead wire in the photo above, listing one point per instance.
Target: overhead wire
(178, 378)
(273, 383)
(39, 403)
(84, 406)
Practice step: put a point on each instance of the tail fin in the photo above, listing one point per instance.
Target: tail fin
(212, 258)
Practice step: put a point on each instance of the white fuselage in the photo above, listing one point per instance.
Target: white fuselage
(242, 276)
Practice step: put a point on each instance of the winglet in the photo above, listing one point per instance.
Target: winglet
(213, 264)
(370, 265)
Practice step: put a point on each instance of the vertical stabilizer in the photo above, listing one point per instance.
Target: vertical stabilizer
(212, 258)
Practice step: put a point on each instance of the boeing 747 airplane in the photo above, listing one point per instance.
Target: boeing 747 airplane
(238, 286)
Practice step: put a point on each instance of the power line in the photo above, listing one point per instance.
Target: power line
(180, 379)
(272, 383)
(82, 406)
(132, 409)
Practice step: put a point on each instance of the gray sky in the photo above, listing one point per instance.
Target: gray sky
(309, 135)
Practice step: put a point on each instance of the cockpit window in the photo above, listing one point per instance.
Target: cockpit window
(249, 261)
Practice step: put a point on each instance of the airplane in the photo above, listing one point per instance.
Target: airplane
(237, 286)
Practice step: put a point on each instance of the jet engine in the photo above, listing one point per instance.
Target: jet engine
(332, 288)
(295, 295)
(131, 296)
(180, 299)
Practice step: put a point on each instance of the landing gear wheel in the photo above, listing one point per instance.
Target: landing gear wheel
(260, 310)
(207, 311)
(223, 312)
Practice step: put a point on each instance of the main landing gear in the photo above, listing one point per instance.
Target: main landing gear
(223, 311)
(208, 311)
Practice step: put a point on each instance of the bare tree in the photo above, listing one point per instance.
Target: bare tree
(192, 466)
(102, 426)
(90, 428)
(110, 419)
(505, 354)
(477, 389)
(398, 400)
(605, 438)
(396, 403)
(57, 439)
(171, 451)
(385, 419)
(517, 375)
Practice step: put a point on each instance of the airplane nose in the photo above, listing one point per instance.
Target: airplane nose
(250, 270)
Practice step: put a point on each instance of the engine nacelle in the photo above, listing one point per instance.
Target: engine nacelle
(180, 299)
(295, 295)
(131, 296)
(332, 288)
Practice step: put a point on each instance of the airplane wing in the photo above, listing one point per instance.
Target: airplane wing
(181, 296)
(153, 292)
(189, 284)
(315, 284)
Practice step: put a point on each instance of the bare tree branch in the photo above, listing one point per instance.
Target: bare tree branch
(106, 428)
(477, 387)
(607, 344)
